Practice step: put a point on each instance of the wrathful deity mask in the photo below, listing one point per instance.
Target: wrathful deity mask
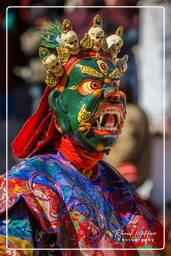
(82, 100)
(91, 108)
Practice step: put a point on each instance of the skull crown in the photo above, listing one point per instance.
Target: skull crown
(61, 42)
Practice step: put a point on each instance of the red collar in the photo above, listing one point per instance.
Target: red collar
(80, 157)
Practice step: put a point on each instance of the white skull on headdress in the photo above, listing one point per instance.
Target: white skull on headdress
(115, 42)
(97, 35)
(53, 64)
(69, 40)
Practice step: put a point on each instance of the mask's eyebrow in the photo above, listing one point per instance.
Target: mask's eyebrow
(90, 71)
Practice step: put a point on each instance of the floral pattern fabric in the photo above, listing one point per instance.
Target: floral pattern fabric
(51, 205)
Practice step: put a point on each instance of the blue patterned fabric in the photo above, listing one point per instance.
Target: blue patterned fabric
(52, 205)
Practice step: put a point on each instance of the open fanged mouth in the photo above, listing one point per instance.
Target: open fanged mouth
(109, 120)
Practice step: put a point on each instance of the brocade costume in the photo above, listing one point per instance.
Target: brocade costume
(62, 195)
(53, 205)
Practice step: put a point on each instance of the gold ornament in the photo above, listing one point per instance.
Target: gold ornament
(43, 52)
(115, 74)
(86, 43)
(105, 46)
(51, 80)
(84, 128)
(83, 115)
(66, 25)
(97, 21)
(73, 88)
(119, 31)
(90, 71)
(63, 55)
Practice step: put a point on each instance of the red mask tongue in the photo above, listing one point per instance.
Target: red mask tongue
(110, 122)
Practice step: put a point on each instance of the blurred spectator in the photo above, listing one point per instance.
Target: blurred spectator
(12, 56)
(127, 17)
(168, 67)
(55, 13)
(82, 17)
(151, 62)
(131, 156)
(33, 74)
(19, 20)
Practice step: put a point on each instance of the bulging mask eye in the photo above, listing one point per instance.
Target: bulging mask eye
(102, 66)
(88, 86)
(95, 85)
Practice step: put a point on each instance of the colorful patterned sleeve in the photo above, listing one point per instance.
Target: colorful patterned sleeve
(37, 214)
(16, 232)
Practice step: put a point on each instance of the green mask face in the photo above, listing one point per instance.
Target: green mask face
(91, 108)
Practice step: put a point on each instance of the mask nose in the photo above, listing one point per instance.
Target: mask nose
(111, 94)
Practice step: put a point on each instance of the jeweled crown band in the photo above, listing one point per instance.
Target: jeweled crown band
(60, 42)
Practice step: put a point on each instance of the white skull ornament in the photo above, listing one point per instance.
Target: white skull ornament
(121, 63)
(53, 64)
(97, 35)
(114, 43)
(69, 40)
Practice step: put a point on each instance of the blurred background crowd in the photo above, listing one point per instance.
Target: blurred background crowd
(139, 155)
